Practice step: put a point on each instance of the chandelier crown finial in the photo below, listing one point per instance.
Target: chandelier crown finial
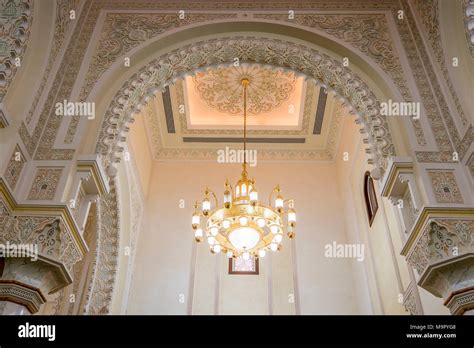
(244, 171)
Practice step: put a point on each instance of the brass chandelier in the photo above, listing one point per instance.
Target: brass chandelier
(243, 227)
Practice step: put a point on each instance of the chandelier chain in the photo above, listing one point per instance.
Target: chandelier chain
(245, 83)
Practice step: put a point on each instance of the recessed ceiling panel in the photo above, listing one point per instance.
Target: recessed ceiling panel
(215, 98)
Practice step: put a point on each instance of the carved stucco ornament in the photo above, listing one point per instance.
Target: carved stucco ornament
(172, 66)
(222, 88)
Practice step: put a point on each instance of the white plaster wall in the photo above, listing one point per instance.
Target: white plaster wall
(365, 284)
(380, 268)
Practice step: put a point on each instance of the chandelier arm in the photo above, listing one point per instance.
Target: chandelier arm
(215, 198)
(288, 201)
(275, 189)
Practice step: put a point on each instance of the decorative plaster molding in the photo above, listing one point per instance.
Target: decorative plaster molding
(137, 203)
(452, 279)
(470, 165)
(122, 32)
(91, 166)
(221, 89)
(54, 241)
(391, 181)
(164, 70)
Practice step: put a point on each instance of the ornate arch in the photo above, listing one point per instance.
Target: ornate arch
(169, 67)
(350, 89)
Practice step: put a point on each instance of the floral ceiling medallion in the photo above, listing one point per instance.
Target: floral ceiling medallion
(221, 88)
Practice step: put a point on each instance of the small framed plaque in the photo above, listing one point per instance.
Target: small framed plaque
(240, 266)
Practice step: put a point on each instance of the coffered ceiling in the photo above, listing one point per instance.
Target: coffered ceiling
(288, 118)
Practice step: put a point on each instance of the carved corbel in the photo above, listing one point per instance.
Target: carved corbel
(90, 182)
(399, 186)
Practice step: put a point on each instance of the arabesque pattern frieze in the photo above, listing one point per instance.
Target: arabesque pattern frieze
(429, 14)
(434, 102)
(40, 142)
(62, 25)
